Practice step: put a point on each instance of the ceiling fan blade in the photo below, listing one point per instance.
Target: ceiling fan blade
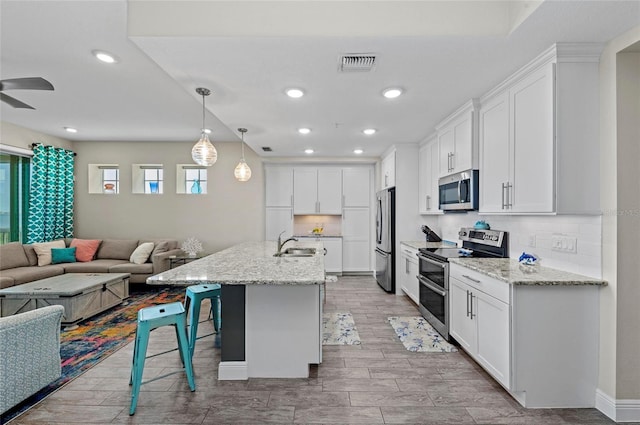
(29, 83)
(14, 102)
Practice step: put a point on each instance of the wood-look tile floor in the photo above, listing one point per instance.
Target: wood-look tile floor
(376, 382)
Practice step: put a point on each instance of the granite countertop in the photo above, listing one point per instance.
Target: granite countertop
(511, 271)
(249, 263)
(425, 244)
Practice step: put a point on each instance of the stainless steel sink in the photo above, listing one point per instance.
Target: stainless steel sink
(297, 252)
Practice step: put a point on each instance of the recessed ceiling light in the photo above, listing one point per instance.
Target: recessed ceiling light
(369, 131)
(104, 56)
(304, 130)
(392, 92)
(358, 151)
(295, 93)
(70, 130)
(308, 151)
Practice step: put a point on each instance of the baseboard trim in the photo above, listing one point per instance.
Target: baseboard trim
(233, 371)
(618, 410)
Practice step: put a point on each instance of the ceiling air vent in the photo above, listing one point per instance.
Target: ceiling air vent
(267, 149)
(360, 62)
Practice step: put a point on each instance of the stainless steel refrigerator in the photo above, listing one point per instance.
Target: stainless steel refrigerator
(385, 239)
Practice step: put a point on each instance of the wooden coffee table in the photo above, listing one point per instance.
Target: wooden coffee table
(81, 294)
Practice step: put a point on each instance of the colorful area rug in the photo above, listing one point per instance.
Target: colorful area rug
(95, 339)
(339, 329)
(417, 334)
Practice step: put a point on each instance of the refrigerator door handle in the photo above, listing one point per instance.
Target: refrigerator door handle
(379, 222)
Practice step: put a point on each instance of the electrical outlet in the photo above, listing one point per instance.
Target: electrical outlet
(532, 241)
(564, 243)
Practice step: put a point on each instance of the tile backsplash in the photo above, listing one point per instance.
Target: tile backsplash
(539, 230)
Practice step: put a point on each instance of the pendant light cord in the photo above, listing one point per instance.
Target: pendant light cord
(204, 132)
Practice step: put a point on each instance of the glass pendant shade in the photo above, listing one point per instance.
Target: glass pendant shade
(203, 152)
(242, 171)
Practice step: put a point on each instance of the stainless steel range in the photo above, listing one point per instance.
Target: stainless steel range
(433, 277)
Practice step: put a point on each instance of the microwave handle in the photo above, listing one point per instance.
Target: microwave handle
(459, 191)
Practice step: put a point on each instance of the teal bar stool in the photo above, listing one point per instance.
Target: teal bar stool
(150, 318)
(193, 298)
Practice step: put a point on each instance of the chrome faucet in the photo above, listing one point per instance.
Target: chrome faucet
(281, 244)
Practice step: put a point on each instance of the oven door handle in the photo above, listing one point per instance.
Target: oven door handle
(434, 262)
(426, 283)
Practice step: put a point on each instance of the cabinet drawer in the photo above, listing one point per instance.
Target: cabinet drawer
(490, 286)
(410, 253)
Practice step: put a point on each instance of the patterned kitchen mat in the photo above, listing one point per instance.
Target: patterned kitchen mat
(339, 329)
(417, 334)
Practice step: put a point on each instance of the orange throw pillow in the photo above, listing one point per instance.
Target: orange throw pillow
(85, 248)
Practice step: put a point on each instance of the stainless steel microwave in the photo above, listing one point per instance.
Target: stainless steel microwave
(459, 192)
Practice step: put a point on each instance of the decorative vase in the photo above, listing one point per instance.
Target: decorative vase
(192, 255)
(109, 188)
(195, 187)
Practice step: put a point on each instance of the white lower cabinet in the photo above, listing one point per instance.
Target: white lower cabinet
(333, 256)
(409, 272)
(481, 326)
(539, 341)
(356, 245)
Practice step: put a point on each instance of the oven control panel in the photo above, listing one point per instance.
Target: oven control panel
(486, 237)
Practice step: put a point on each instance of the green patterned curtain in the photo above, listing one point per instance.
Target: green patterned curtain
(51, 195)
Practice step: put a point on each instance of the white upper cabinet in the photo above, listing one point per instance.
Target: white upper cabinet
(538, 136)
(278, 186)
(457, 139)
(495, 154)
(356, 187)
(317, 190)
(388, 171)
(428, 172)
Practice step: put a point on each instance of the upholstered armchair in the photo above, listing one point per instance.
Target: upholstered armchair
(29, 353)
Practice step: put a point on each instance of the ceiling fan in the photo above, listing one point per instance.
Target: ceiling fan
(29, 83)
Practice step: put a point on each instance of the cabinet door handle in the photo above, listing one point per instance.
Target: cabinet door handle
(471, 279)
(472, 314)
(467, 303)
(503, 191)
(509, 201)
(452, 161)
(427, 202)
(406, 265)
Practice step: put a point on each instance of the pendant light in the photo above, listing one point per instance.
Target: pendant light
(203, 152)
(242, 171)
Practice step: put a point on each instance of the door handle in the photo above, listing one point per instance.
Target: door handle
(459, 191)
(428, 202)
(467, 303)
(509, 201)
(503, 191)
(472, 279)
(472, 314)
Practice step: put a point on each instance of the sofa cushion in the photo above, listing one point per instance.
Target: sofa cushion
(116, 249)
(31, 254)
(12, 255)
(95, 266)
(44, 251)
(85, 248)
(6, 282)
(146, 268)
(22, 275)
(141, 254)
(63, 255)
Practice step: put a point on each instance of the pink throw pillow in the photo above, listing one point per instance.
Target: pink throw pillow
(85, 248)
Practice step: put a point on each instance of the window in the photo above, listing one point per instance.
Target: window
(111, 180)
(104, 178)
(147, 178)
(15, 171)
(191, 179)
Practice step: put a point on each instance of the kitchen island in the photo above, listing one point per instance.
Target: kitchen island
(271, 307)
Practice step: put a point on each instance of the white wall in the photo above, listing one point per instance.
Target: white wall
(231, 212)
(21, 137)
(619, 369)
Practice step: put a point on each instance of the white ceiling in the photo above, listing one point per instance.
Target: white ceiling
(248, 52)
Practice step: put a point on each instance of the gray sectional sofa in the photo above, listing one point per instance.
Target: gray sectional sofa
(19, 262)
